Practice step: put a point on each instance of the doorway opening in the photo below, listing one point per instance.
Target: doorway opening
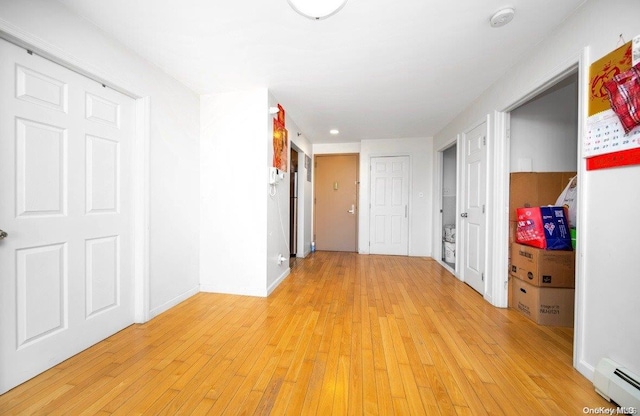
(543, 161)
(293, 206)
(448, 205)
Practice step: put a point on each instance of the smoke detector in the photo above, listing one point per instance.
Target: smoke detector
(502, 17)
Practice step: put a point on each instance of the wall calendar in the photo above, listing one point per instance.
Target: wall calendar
(605, 143)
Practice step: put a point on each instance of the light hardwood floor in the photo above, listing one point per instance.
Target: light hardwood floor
(343, 334)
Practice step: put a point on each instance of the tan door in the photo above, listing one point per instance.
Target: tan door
(336, 202)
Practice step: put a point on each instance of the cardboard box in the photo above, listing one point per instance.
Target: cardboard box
(543, 227)
(510, 280)
(512, 231)
(534, 189)
(543, 268)
(544, 305)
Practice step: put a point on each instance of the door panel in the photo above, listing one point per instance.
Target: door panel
(41, 279)
(389, 223)
(336, 202)
(473, 237)
(66, 268)
(41, 169)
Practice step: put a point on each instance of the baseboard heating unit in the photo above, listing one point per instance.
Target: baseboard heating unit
(616, 383)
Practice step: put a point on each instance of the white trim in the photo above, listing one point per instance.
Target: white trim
(47, 50)
(141, 211)
(501, 217)
(554, 76)
(172, 302)
(247, 291)
(279, 280)
(488, 218)
(500, 209)
(584, 367)
(579, 340)
(459, 182)
(213, 288)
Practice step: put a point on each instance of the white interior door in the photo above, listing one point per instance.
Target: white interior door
(473, 215)
(389, 213)
(66, 266)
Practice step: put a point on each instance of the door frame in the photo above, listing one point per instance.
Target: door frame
(502, 166)
(140, 168)
(437, 194)
(460, 234)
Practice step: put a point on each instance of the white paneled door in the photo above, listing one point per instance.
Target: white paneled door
(474, 200)
(389, 213)
(66, 265)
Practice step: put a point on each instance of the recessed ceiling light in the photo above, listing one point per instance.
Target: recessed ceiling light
(502, 17)
(334, 131)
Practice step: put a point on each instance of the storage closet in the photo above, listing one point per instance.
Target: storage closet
(544, 157)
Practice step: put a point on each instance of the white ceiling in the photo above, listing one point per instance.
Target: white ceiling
(377, 69)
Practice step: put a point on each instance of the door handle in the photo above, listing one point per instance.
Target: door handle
(463, 215)
(3, 235)
(352, 210)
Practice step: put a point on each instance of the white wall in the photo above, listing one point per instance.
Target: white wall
(335, 148)
(420, 152)
(234, 192)
(244, 227)
(544, 132)
(173, 140)
(607, 278)
(277, 210)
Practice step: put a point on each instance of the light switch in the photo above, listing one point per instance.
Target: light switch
(335, 186)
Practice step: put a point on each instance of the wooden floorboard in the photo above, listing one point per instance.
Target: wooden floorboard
(344, 334)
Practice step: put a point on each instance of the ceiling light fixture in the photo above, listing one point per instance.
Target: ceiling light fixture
(317, 9)
(334, 131)
(502, 17)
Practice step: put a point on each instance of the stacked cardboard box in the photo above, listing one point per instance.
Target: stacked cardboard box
(541, 282)
(534, 189)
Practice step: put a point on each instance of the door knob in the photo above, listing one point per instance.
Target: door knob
(3, 235)
(352, 210)
(463, 215)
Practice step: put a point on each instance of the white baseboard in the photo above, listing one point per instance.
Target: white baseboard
(173, 302)
(279, 280)
(239, 291)
(586, 369)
